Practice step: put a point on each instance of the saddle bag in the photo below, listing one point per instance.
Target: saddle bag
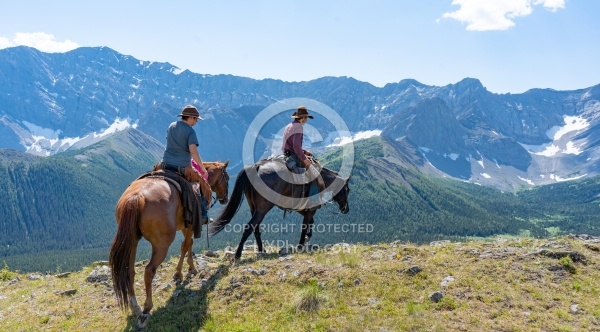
(293, 164)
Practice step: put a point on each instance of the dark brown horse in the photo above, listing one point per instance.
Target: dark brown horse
(265, 186)
(151, 208)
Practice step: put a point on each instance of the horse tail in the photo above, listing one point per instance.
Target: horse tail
(124, 246)
(241, 182)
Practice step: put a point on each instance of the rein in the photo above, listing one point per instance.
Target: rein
(214, 201)
(337, 211)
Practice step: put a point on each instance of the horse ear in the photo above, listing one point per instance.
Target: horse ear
(226, 163)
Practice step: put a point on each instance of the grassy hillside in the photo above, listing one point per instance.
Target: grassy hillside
(500, 285)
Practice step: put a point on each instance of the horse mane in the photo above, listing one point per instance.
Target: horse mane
(213, 163)
(330, 172)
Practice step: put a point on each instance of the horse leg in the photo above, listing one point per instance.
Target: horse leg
(190, 257)
(142, 317)
(186, 249)
(133, 305)
(252, 225)
(259, 245)
(311, 221)
(158, 256)
(256, 230)
(307, 228)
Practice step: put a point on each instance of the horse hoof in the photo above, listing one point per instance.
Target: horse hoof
(261, 254)
(136, 310)
(235, 261)
(142, 320)
(229, 255)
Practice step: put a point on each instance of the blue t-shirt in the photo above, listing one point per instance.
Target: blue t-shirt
(180, 136)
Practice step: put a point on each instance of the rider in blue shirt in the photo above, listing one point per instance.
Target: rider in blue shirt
(182, 146)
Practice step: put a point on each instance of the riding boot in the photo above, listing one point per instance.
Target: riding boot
(198, 225)
(317, 187)
(321, 186)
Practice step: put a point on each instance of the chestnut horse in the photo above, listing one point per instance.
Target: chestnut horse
(265, 186)
(151, 208)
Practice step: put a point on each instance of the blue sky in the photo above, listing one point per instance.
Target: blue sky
(509, 45)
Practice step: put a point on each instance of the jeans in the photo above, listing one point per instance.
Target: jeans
(204, 209)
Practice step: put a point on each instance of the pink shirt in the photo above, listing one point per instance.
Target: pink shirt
(292, 139)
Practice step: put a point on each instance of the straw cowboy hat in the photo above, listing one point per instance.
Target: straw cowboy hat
(301, 112)
(190, 110)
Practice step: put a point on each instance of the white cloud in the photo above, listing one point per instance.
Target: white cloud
(5, 42)
(497, 14)
(40, 40)
(551, 5)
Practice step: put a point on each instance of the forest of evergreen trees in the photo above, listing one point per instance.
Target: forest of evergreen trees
(59, 211)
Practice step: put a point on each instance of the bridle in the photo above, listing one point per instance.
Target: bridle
(221, 178)
(334, 202)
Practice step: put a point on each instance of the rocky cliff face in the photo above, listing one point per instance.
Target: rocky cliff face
(49, 101)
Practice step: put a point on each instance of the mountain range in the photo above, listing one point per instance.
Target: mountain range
(76, 128)
(52, 102)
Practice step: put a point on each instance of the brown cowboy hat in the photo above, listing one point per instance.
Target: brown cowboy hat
(190, 110)
(301, 112)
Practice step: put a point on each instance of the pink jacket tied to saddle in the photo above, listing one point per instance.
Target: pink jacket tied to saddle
(198, 170)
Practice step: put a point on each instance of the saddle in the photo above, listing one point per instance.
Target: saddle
(293, 164)
(298, 176)
(189, 197)
(189, 174)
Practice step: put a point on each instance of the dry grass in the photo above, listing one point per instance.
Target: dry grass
(498, 286)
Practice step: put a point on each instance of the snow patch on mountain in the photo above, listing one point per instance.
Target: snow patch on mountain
(559, 179)
(572, 123)
(527, 180)
(343, 140)
(46, 142)
(36, 130)
(559, 136)
(452, 156)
